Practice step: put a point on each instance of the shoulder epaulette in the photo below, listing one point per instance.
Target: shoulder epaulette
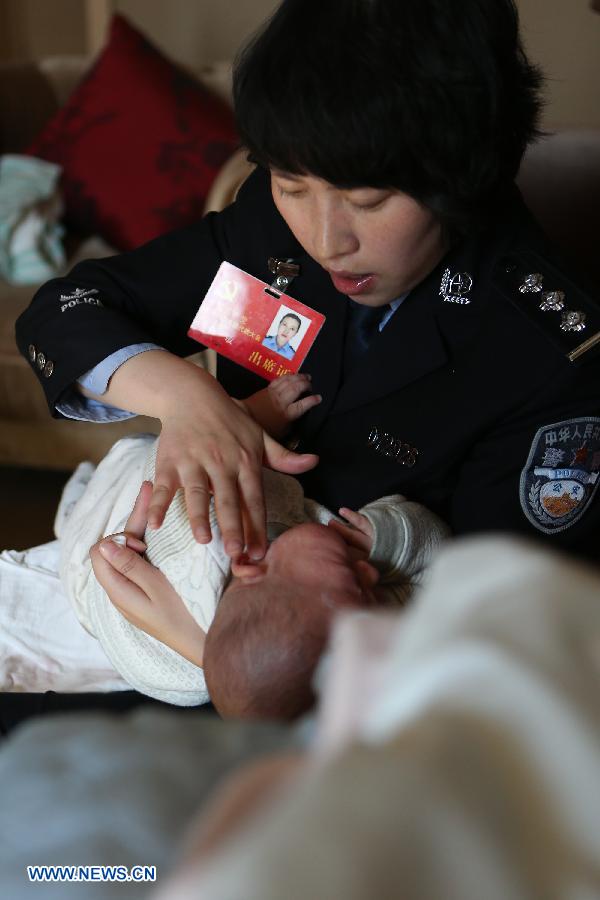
(568, 317)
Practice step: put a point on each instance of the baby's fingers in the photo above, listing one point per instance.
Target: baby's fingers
(288, 388)
(299, 407)
(352, 537)
(357, 520)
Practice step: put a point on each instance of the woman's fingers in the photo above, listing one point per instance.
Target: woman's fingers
(112, 573)
(282, 460)
(197, 503)
(123, 561)
(238, 496)
(228, 510)
(253, 513)
(145, 597)
(138, 520)
(163, 492)
(226, 462)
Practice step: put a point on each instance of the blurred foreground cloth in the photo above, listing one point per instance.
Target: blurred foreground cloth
(458, 753)
(104, 789)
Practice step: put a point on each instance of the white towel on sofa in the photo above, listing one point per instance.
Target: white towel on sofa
(42, 645)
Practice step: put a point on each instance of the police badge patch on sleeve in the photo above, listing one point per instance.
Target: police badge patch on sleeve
(562, 473)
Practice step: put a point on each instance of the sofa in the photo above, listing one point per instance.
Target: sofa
(560, 178)
(30, 94)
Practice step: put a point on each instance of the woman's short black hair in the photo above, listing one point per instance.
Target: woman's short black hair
(433, 97)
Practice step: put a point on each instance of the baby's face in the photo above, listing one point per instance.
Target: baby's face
(319, 558)
(319, 562)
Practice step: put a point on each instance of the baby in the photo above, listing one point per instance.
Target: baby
(251, 641)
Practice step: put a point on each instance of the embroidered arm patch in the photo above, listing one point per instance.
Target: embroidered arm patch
(562, 472)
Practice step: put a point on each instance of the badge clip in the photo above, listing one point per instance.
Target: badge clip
(285, 270)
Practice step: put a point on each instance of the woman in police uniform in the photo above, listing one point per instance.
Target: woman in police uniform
(387, 135)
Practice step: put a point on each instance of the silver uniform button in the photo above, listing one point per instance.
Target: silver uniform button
(573, 320)
(48, 368)
(32, 352)
(41, 360)
(532, 283)
(552, 301)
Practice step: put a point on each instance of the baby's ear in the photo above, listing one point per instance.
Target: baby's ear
(367, 574)
(247, 570)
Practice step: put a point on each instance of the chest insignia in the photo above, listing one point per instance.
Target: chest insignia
(573, 320)
(562, 472)
(453, 288)
(568, 317)
(552, 301)
(393, 447)
(532, 284)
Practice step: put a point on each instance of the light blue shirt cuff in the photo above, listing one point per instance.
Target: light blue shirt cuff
(85, 409)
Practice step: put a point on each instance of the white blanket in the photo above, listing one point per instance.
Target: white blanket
(42, 645)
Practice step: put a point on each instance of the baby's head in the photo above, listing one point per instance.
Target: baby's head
(273, 621)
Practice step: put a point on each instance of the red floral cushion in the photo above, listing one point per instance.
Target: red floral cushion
(140, 142)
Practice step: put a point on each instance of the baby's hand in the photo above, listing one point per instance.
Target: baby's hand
(286, 395)
(281, 403)
(358, 534)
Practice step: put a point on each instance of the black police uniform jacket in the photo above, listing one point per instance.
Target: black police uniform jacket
(472, 400)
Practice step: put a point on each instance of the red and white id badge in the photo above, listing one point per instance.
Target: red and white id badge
(244, 319)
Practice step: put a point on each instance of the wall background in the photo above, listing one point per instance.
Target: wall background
(30, 29)
(563, 36)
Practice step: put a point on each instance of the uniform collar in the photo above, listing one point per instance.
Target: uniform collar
(423, 335)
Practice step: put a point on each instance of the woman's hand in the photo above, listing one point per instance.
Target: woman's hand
(208, 445)
(281, 403)
(140, 591)
(220, 453)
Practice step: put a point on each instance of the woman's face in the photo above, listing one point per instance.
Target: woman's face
(288, 327)
(375, 243)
